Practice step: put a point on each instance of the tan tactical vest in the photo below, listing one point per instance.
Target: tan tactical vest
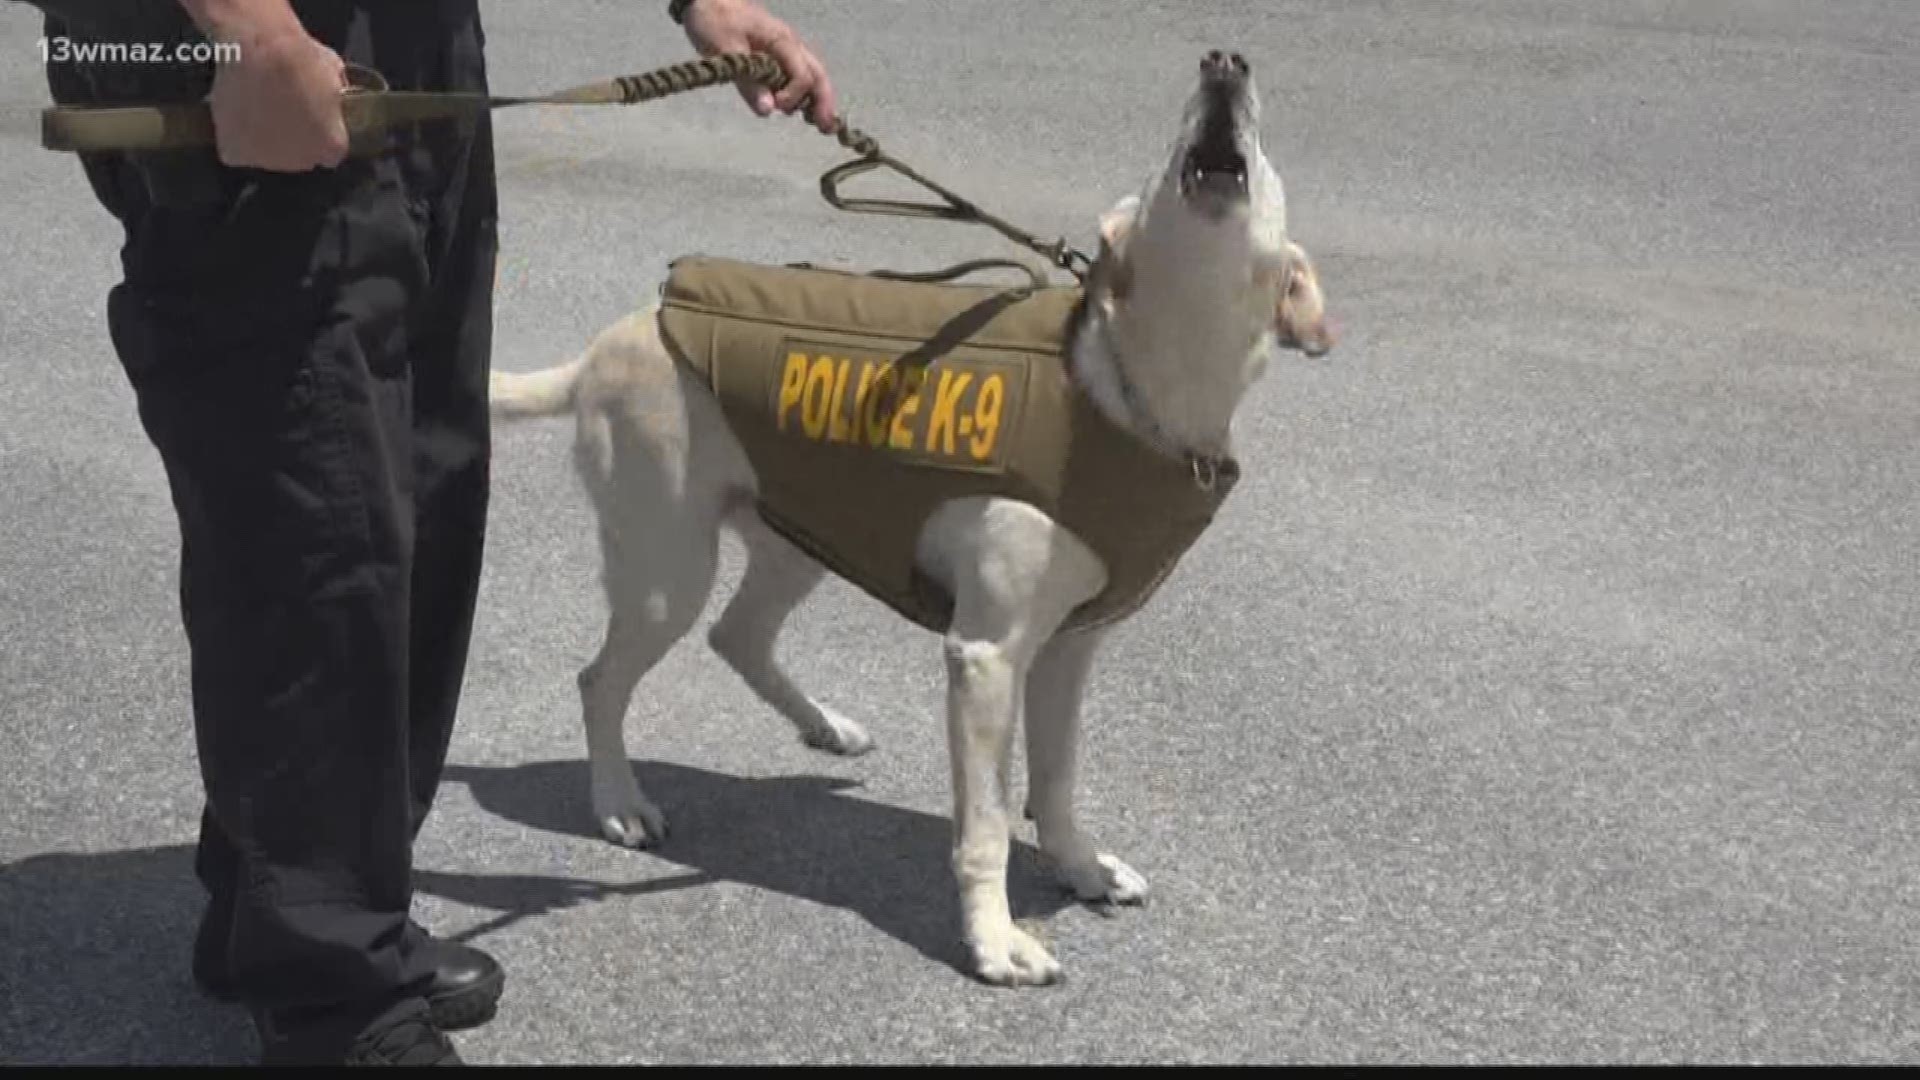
(864, 402)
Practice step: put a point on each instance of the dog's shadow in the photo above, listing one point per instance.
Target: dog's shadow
(94, 945)
(802, 836)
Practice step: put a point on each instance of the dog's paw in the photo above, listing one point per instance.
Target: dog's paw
(1105, 880)
(838, 734)
(1013, 957)
(640, 825)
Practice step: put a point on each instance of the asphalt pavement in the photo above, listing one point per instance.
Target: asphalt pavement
(1546, 692)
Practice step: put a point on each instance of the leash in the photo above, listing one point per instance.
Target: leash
(954, 208)
(370, 109)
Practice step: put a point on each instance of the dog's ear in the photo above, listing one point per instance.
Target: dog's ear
(1300, 319)
(1117, 222)
(1111, 274)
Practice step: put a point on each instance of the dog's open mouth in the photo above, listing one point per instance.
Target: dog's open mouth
(1215, 169)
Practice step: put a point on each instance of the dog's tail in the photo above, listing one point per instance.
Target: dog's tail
(534, 394)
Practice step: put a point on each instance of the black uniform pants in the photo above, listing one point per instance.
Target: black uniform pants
(309, 355)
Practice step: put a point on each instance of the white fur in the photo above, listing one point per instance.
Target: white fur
(1191, 329)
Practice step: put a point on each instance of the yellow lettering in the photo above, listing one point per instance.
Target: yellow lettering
(817, 398)
(884, 385)
(889, 392)
(792, 378)
(837, 428)
(940, 421)
(900, 438)
(863, 407)
(986, 416)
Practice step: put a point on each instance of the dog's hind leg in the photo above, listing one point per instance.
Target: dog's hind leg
(655, 591)
(1054, 689)
(777, 578)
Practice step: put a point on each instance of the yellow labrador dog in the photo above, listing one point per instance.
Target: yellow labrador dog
(1195, 284)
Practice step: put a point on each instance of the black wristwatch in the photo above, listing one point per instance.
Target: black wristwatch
(677, 10)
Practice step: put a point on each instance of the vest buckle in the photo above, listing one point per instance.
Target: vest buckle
(1206, 471)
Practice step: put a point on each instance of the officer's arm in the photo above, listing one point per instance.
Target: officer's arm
(112, 19)
(238, 20)
(87, 16)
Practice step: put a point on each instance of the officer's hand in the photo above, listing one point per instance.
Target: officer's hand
(717, 26)
(277, 106)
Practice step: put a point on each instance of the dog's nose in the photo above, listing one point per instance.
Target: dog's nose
(1223, 65)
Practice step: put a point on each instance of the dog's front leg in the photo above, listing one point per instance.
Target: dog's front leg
(984, 680)
(1053, 735)
(1015, 578)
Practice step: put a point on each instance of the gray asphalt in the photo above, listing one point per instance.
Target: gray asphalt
(1547, 694)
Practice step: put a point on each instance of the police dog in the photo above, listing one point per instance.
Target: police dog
(1195, 284)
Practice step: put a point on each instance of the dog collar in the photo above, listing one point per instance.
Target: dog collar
(1207, 468)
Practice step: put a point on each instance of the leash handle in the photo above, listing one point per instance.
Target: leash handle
(951, 210)
(78, 128)
(951, 207)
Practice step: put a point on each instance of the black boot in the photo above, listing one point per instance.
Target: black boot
(466, 986)
(403, 1035)
(464, 991)
(413, 1041)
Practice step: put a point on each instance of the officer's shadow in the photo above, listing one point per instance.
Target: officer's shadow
(94, 955)
(95, 946)
(802, 836)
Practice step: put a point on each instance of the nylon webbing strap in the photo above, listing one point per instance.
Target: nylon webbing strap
(370, 109)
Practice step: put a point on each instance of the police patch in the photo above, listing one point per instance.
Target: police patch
(947, 412)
